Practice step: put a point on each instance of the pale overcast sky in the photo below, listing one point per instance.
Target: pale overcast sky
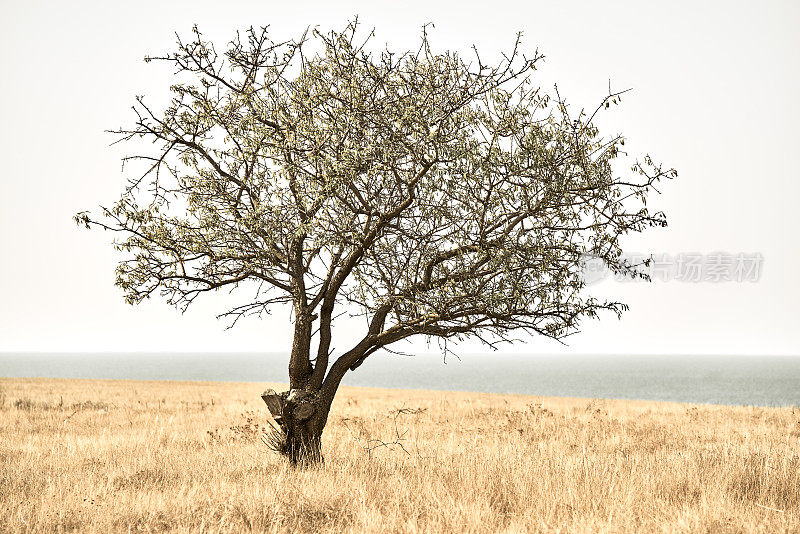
(715, 95)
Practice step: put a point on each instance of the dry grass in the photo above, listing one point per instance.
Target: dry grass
(157, 456)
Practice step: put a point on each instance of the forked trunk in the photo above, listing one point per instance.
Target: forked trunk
(302, 412)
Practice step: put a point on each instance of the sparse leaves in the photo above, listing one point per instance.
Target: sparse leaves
(437, 196)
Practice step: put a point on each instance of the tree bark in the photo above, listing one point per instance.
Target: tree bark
(302, 412)
(299, 362)
(301, 417)
(302, 427)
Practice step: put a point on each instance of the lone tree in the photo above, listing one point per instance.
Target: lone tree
(435, 195)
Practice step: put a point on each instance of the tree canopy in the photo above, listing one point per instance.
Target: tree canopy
(436, 194)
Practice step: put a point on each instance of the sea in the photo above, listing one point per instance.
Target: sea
(728, 380)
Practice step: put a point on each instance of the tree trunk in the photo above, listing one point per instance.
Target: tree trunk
(301, 417)
(299, 363)
(302, 412)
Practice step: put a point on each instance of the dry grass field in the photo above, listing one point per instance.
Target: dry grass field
(103, 456)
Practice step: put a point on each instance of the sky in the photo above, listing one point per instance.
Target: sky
(714, 95)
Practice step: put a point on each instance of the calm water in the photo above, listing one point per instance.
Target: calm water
(733, 380)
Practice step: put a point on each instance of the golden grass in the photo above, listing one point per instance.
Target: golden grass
(93, 455)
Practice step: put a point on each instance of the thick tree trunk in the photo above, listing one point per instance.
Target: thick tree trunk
(301, 417)
(302, 412)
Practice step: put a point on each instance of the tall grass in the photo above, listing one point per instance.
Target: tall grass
(100, 456)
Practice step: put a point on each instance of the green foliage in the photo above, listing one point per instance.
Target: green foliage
(438, 196)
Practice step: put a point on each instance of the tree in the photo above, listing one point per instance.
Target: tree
(436, 196)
